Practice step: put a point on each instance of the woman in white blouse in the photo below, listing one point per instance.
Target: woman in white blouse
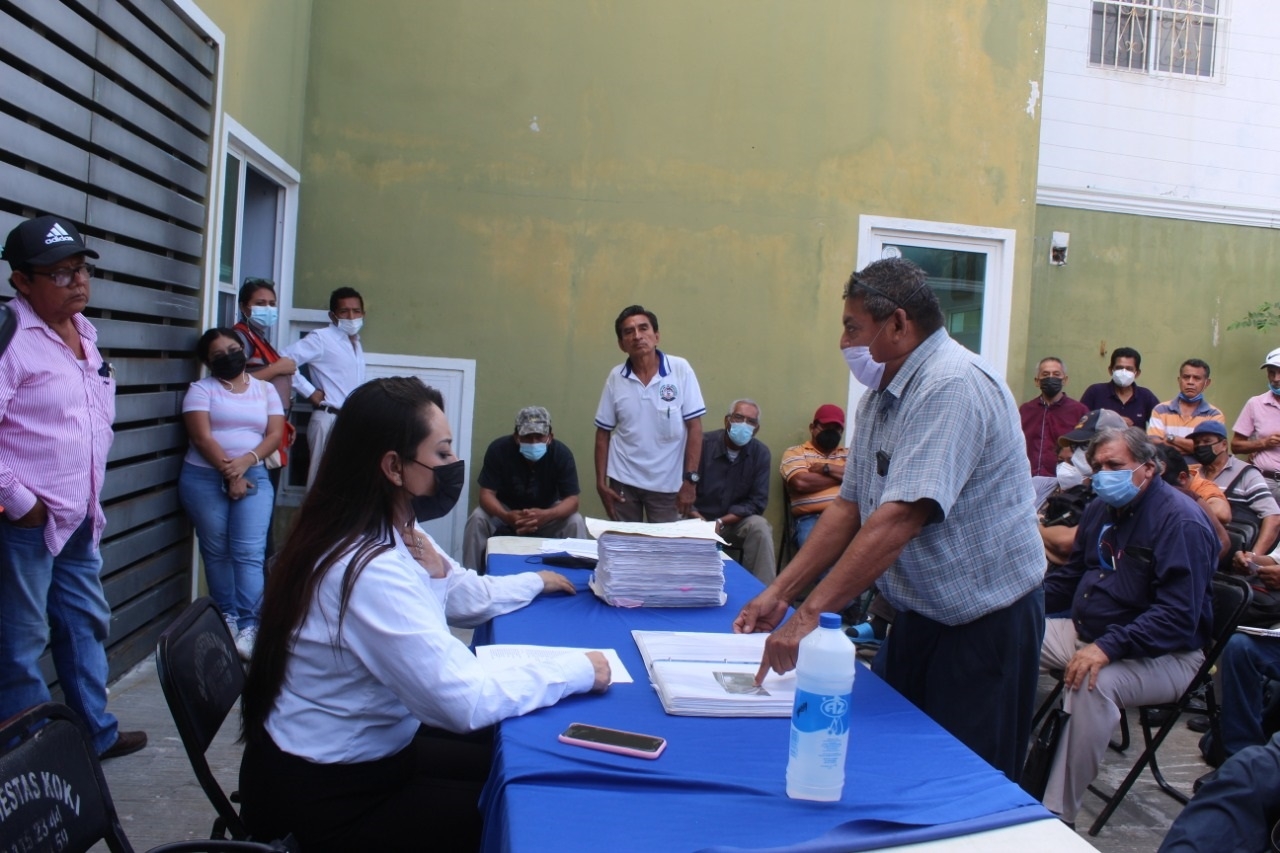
(233, 421)
(358, 695)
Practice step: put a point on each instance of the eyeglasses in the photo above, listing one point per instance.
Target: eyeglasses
(64, 277)
(743, 419)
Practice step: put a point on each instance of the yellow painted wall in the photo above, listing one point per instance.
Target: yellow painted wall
(265, 67)
(500, 179)
(1166, 287)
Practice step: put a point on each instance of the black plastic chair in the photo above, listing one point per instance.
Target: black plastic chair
(1231, 597)
(202, 679)
(787, 545)
(60, 798)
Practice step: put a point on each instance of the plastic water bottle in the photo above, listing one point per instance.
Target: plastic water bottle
(820, 717)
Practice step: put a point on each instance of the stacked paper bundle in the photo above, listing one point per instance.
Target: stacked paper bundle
(653, 571)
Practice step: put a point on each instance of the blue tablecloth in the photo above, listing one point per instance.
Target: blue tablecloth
(720, 785)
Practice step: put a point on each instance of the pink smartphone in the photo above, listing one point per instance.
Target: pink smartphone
(613, 740)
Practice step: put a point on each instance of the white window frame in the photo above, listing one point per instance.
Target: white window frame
(1154, 46)
(239, 142)
(997, 298)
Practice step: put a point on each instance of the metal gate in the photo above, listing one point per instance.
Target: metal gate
(107, 118)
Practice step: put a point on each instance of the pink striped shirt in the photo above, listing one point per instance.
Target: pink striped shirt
(55, 426)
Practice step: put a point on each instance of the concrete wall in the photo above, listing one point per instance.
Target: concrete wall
(265, 68)
(1166, 287)
(501, 179)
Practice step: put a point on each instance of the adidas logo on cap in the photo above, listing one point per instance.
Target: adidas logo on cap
(57, 234)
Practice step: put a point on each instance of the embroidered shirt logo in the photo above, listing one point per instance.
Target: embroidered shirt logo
(57, 234)
(667, 392)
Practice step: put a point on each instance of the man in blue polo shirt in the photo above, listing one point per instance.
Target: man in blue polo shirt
(1137, 586)
(648, 428)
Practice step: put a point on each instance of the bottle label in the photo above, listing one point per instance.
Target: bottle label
(814, 712)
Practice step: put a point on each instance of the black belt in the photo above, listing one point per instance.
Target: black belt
(325, 407)
(1270, 475)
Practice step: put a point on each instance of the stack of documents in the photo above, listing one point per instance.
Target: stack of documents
(713, 675)
(658, 565)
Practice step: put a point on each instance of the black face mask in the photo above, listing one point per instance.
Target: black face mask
(827, 440)
(227, 366)
(449, 480)
(1204, 454)
(1050, 386)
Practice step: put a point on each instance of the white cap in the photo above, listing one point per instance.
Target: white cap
(1273, 358)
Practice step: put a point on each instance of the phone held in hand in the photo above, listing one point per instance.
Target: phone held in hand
(613, 740)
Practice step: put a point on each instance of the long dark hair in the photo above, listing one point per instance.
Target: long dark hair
(348, 508)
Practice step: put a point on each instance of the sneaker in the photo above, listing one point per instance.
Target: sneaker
(245, 640)
(126, 743)
(863, 635)
(231, 623)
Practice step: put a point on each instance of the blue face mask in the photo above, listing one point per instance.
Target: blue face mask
(740, 434)
(264, 316)
(533, 452)
(1116, 488)
(1273, 389)
(1196, 399)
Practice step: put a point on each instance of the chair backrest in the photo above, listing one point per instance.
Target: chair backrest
(1231, 598)
(202, 678)
(55, 797)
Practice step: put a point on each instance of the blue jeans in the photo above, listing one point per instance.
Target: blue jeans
(804, 526)
(1246, 664)
(233, 536)
(44, 597)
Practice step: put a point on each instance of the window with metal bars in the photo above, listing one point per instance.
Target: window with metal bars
(1176, 37)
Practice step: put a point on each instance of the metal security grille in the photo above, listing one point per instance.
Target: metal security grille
(107, 118)
(1178, 37)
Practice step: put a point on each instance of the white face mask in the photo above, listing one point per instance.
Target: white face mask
(351, 327)
(1069, 476)
(865, 369)
(1123, 378)
(1079, 460)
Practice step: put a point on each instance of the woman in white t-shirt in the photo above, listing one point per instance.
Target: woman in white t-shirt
(234, 422)
(359, 699)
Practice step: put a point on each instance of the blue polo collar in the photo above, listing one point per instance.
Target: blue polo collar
(663, 368)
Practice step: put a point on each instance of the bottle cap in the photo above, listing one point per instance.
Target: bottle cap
(829, 620)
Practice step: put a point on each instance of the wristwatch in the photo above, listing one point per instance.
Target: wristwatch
(692, 477)
(826, 468)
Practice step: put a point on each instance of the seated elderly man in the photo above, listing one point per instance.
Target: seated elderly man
(1246, 490)
(1061, 511)
(733, 487)
(1137, 586)
(812, 472)
(528, 487)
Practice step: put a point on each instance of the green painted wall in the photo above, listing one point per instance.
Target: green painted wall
(265, 67)
(500, 179)
(1167, 287)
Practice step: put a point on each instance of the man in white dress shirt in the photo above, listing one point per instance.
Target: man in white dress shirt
(336, 364)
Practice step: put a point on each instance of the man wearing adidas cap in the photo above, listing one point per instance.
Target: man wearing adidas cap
(57, 401)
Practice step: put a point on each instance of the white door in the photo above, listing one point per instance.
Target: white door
(970, 268)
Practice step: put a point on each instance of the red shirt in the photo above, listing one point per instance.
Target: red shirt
(1042, 425)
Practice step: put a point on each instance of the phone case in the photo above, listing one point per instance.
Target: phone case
(609, 747)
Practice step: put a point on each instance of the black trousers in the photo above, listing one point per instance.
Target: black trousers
(977, 680)
(423, 798)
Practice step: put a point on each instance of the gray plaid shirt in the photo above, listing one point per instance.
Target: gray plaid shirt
(946, 429)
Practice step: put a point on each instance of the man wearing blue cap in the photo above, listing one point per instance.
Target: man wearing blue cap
(1243, 484)
(57, 402)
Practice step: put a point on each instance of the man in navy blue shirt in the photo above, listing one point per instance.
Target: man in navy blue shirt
(1122, 394)
(1137, 586)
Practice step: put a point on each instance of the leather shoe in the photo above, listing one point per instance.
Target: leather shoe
(126, 743)
(1198, 724)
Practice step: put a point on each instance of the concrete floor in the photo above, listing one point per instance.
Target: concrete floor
(159, 800)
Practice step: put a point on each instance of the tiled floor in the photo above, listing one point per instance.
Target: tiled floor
(159, 800)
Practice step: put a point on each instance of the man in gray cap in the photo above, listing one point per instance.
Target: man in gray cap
(1257, 430)
(57, 402)
(528, 487)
